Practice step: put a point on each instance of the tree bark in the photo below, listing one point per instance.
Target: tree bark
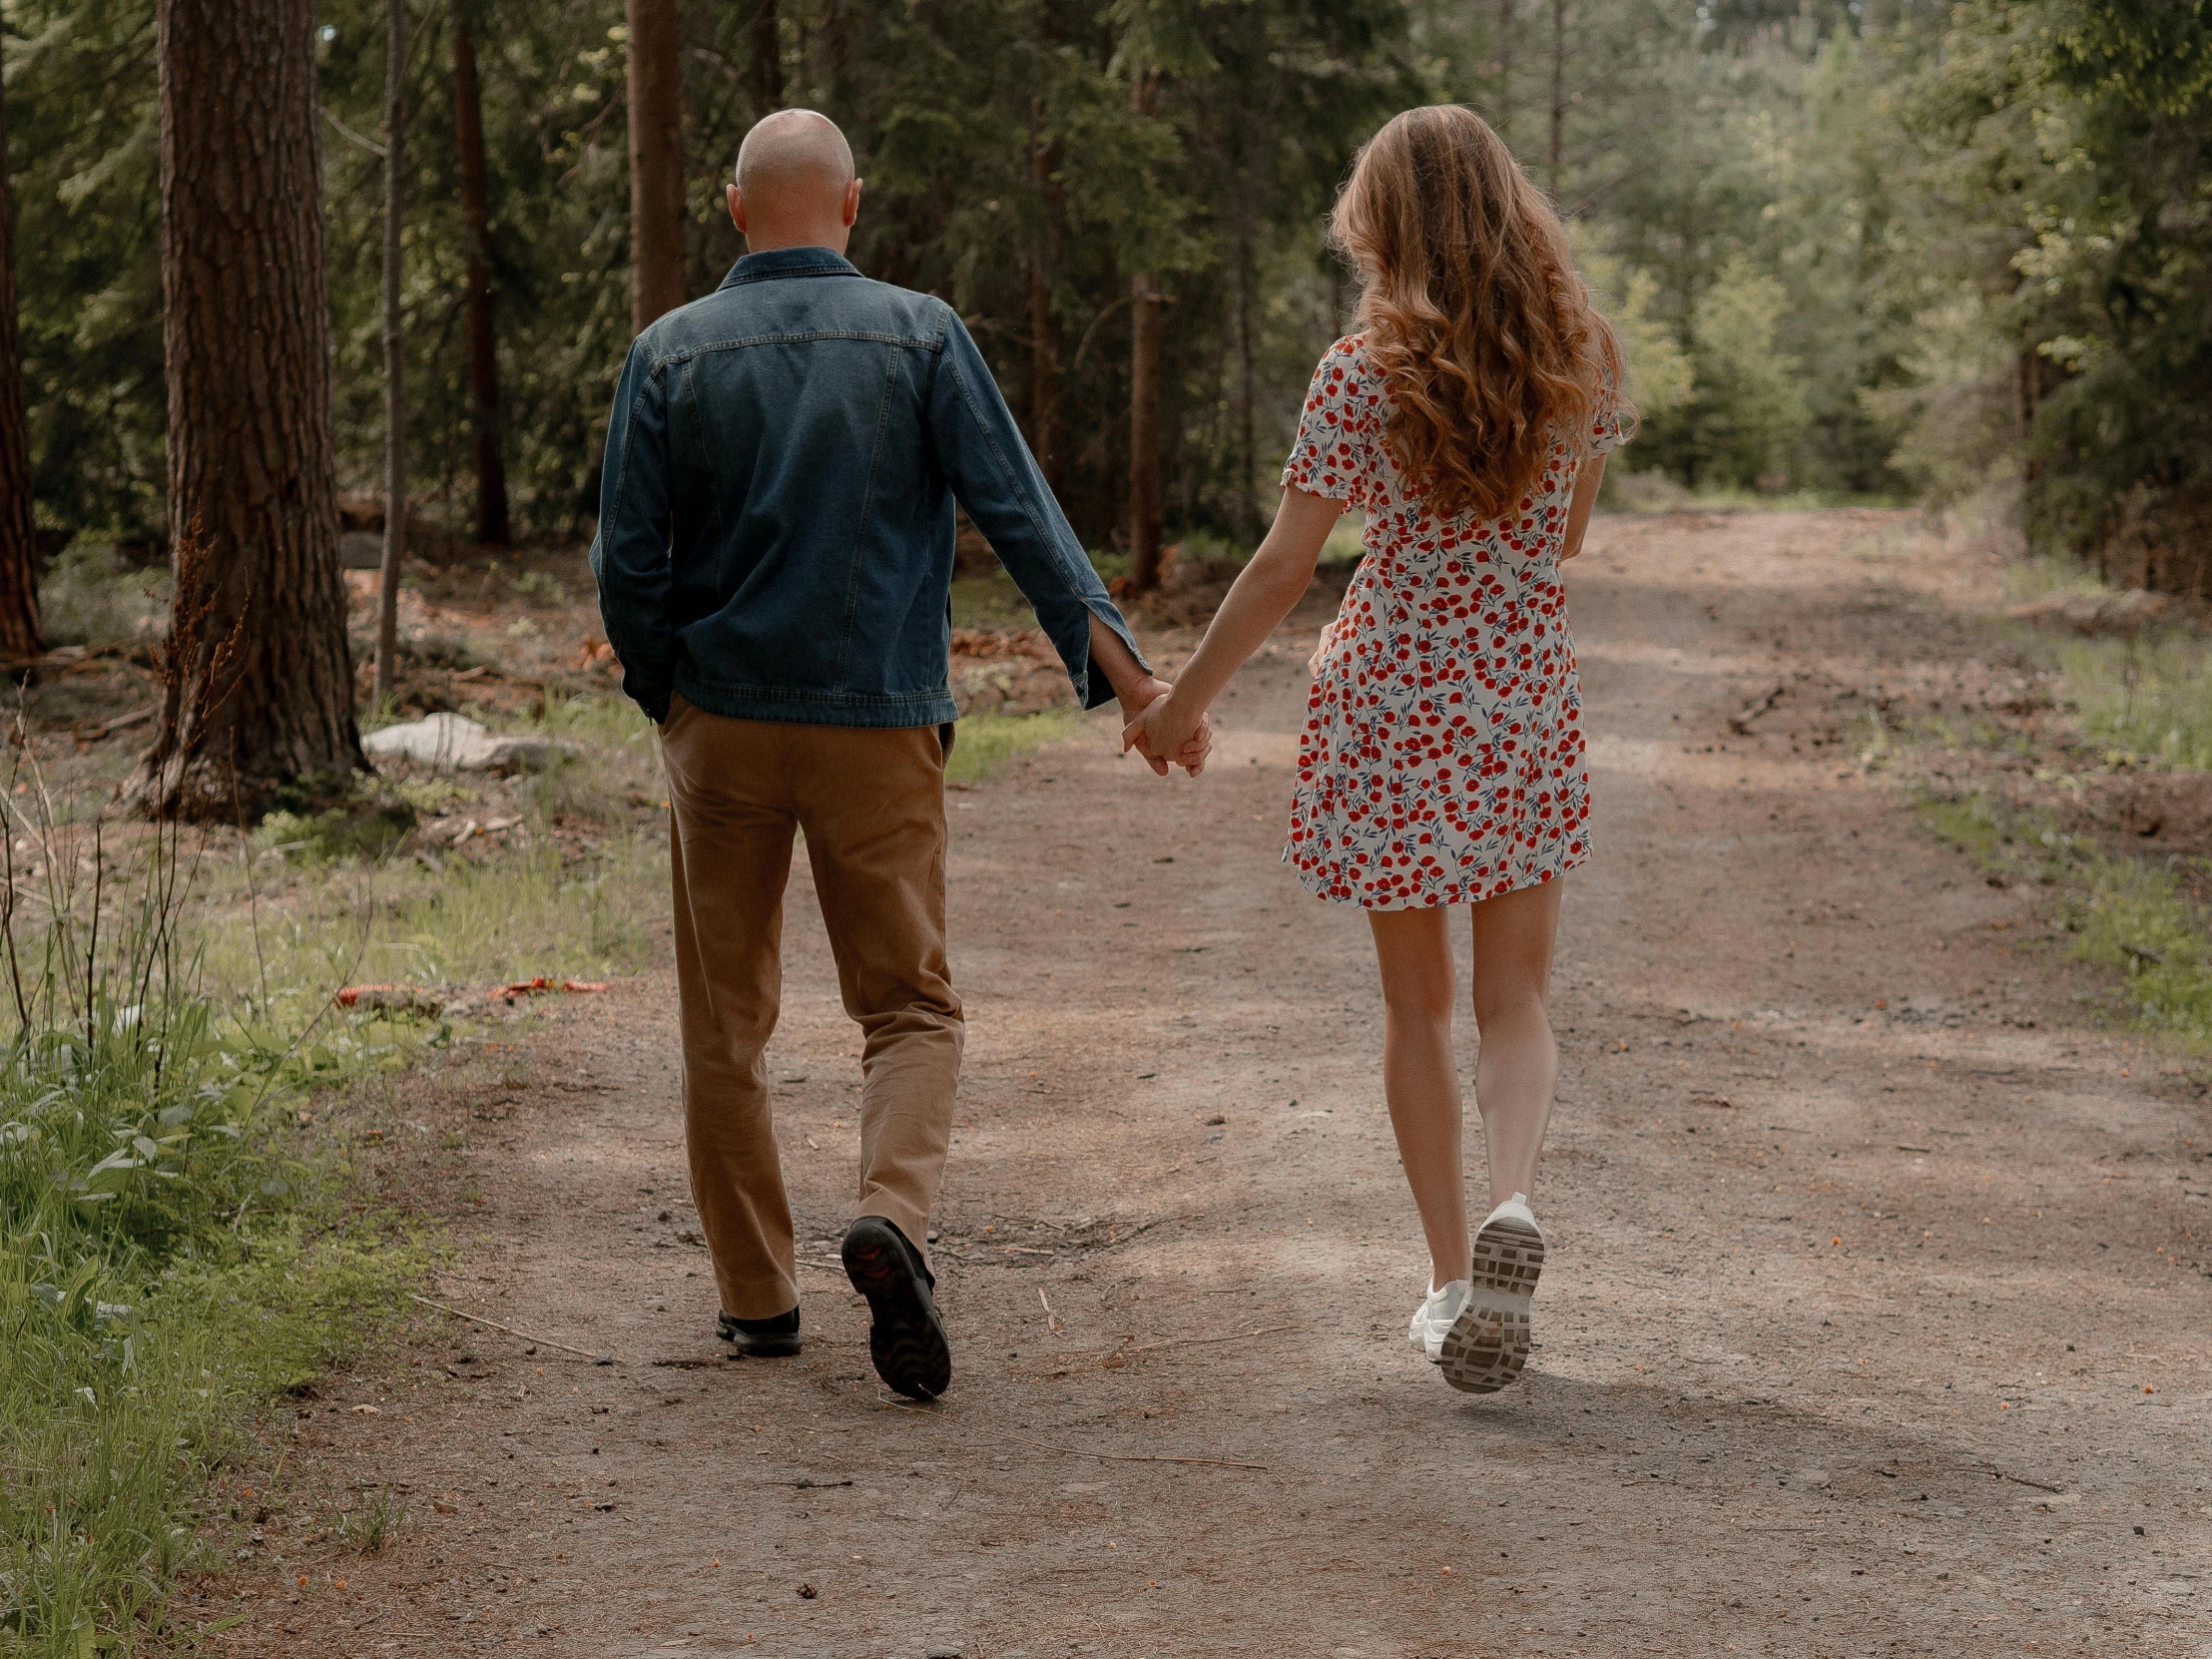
(1248, 506)
(768, 60)
(1558, 89)
(1144, 401)
(656, 89)
(1506, 70)
(1044, 324)
(258, 702)
(483, 357)
(395, 405)
(19, 629)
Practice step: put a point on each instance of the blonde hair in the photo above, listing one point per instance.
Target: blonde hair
(1473, 311)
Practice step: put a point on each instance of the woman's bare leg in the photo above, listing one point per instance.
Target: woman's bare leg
(1414, 950)
(1518, 1072)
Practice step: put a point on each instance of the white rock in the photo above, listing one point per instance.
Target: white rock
(454, 742)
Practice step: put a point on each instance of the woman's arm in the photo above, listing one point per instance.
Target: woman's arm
(1579, 509)
(1265, 593)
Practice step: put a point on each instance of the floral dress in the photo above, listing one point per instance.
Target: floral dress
(1442, 757)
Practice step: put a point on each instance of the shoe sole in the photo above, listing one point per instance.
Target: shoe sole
(759, 1347)
(1487, 1344)
(906, 1337)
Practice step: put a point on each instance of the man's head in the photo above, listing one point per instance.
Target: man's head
(795, 186)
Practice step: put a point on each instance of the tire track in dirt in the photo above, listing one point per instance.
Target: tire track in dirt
(1868, 1254)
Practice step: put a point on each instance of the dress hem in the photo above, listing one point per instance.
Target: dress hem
(1534, 878)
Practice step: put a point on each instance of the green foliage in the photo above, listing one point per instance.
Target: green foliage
(2149, 699)
(91, 595)
(1748, 408)
(988, 742)
(164, 1261)
(2135, 917)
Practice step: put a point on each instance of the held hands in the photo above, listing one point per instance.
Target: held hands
(1159, 729)
(1146, 728)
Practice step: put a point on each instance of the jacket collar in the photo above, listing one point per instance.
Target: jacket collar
(789, 261)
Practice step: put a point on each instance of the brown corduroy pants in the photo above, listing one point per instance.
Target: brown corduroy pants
(870, 803)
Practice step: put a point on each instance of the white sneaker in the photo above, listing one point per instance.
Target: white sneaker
(1434, 1315)
(1489, 1341)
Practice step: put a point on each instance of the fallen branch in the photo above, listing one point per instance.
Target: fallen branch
(542, 1341)
(1136, 1456)
(1198, 1341)
(1739, 723)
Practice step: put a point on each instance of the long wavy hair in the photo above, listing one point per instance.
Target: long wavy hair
(1473, 311)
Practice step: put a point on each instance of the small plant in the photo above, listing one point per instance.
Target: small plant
(373, 1521)
(542, 589)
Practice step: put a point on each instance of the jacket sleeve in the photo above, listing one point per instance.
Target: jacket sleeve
(630, 556)
(996, 479)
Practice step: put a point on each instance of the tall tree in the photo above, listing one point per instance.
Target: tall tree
(1143, 394)
(260, 700)
(483, 353)
(1045, 322)
(19, 630)
(395, 361)
(1559, 92)
(656, 87)
(768, 60)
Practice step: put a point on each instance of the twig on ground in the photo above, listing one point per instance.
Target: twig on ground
(2023, 1480)
(1050, 1318)
(542, 1341)
(1739, 723)
(1198, 1341)
(1136, 1456)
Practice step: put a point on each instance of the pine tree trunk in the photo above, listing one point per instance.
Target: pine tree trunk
(1044, 324)
(19, 630)
(1505, 122)
(768, 60)
(483, 357)
(656, 88)
(395, 404)
(1144, 402)
(258, 705)
(1558, 89)
(1248, 508)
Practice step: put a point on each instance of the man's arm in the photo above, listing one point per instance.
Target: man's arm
(996, 479)
(629, 555)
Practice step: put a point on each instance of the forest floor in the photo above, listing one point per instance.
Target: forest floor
(1874, 1320)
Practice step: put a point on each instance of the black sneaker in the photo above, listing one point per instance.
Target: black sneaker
(905, 1338)
(776, 1339)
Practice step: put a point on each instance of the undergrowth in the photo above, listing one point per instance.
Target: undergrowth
(169, 1256)
(2136, 917)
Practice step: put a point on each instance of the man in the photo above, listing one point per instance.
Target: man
(775, 561)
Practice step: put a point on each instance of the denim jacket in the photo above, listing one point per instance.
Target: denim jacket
(777, 507)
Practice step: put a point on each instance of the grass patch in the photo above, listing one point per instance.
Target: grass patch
(2151, 700)
(2132, 916)
(168, 1253)
(988, 742)
(92, 595)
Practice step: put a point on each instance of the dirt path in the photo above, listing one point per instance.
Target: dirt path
(1875, 1320)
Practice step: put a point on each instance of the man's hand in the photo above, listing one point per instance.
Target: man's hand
(1189, 752)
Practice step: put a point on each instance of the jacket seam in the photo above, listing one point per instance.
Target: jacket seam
(804, 337)
(867, 504)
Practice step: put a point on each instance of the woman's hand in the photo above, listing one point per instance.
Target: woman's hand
(1323, 647)
(1164, 731)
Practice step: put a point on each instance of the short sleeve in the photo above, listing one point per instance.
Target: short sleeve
(1614, 425)
(1332, 455)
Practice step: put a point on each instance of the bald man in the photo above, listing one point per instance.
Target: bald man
(774, 567)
